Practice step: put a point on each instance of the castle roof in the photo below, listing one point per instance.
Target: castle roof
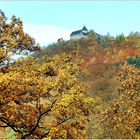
(79, 31)
(76, 32)
(84, 28)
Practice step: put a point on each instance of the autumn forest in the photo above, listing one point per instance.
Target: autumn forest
(76, 89)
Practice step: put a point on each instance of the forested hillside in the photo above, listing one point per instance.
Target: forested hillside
(100, 57)
(76, 89)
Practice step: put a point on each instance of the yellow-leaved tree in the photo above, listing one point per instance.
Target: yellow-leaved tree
(13, 40)
(121, 117)
(39, 98)
(44, 98)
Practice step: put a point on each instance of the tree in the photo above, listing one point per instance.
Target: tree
(120, 38)
(134, 61)
(39, 97)
(134, 36)
(13, 40)
(121, 118)
(43, 98)
(92, 35)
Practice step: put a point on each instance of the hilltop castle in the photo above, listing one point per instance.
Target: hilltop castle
(79, 34)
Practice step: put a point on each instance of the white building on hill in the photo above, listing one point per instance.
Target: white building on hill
(83, 33)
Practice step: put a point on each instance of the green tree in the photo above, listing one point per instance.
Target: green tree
(120, 38)
(134, 61)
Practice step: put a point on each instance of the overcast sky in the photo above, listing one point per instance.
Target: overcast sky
(47, 21)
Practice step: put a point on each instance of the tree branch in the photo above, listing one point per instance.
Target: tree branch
(4, 126)
(13, 126)
(38, 120)
(56, 126)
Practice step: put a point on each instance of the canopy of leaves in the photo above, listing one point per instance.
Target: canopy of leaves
(121, 117)
(43, 98)
(13, 40)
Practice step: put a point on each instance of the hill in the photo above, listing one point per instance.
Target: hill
(99, 56)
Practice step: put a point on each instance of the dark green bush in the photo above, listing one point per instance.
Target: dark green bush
(134, 61)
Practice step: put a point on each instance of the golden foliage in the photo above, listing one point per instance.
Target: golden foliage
(121, 117)
(43, 98)
(13, 39)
